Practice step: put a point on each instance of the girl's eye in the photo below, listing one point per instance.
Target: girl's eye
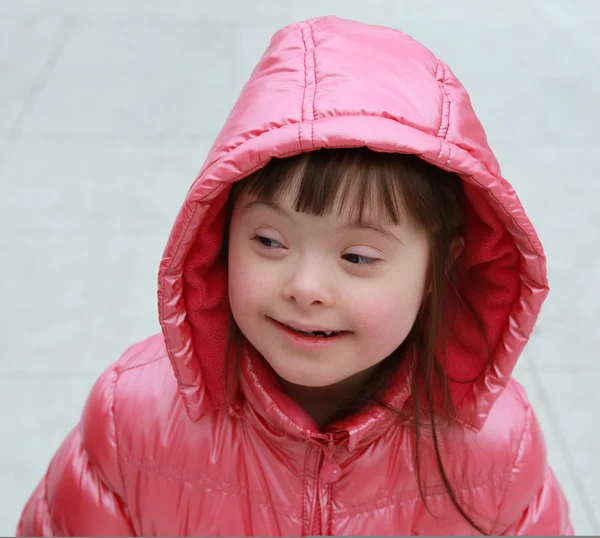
(268, 242)
(357, 259)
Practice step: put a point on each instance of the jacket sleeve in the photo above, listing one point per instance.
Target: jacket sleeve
(533, 502)
(82, 492)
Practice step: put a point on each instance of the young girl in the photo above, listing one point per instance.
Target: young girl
(343, 297)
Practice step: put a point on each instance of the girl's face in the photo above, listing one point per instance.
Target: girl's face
(292, 273)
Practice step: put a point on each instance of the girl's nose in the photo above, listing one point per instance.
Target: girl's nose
(309, 286)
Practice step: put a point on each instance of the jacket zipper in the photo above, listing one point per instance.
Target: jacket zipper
(326, 443)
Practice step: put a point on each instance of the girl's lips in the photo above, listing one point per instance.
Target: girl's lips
(305, 340)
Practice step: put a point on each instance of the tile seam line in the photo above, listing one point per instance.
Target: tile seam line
(40, 80)
(565, 451)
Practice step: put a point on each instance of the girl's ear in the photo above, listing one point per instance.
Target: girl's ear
(457, 247)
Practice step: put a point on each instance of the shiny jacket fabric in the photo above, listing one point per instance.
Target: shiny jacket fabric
(159, 449)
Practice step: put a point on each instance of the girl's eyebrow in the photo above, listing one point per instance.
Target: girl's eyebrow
(364, 225)
(270, 205)
(371, 226)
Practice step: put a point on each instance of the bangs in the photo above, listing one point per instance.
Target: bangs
(364, 187)
(357, 184)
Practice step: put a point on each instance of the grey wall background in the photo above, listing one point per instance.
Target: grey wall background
(107, 110)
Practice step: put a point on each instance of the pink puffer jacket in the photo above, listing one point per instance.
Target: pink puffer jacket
(158, 452)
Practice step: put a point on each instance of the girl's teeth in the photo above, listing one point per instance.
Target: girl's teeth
(321, 333)
(316, 333)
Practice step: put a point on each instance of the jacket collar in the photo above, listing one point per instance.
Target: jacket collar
(268, 408)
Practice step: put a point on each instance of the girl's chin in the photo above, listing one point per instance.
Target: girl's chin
(313, 380)
(308, 382)
(319, 382)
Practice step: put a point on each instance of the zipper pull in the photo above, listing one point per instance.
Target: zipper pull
(331, 472)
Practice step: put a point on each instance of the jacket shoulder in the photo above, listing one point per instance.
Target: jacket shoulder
(101, 420)
(510, 424)
(508, 454)
(528, 454)
(149, 409)
(510, 433)
(510, 411)
(142, 353)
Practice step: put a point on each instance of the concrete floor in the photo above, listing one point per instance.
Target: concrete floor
(107, 110)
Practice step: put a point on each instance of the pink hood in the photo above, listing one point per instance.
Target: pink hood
(332, 83)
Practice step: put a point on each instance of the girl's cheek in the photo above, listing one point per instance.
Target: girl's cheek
(386, 315)
(383, 326)
(248, 285)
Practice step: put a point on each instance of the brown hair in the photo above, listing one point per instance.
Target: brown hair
(404, 186)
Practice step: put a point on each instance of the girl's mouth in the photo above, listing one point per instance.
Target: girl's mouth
(317, 334)
(313, 338)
